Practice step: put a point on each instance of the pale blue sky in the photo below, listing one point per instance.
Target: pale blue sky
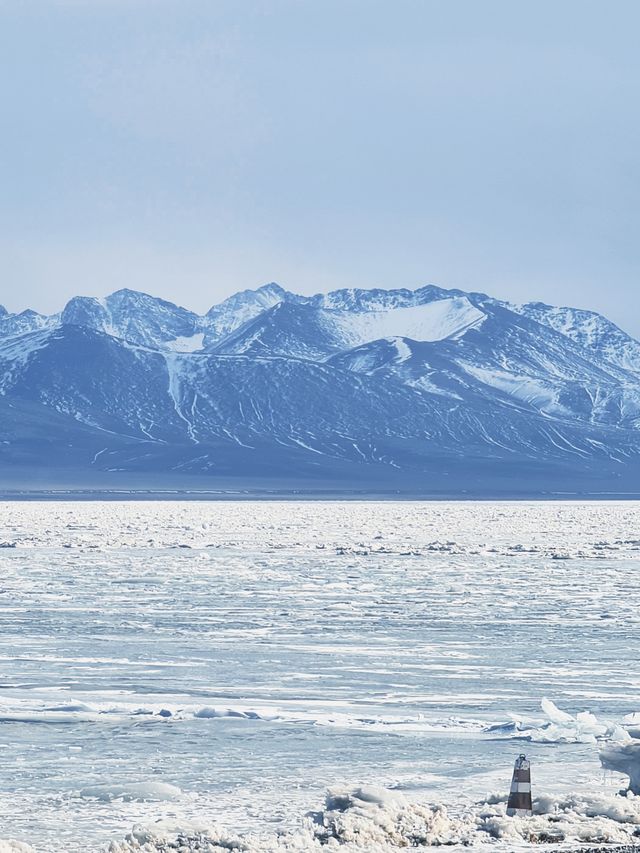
(192, 148)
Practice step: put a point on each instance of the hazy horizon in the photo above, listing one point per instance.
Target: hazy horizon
(193, 149)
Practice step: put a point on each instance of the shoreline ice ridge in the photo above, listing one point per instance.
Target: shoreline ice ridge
(381, 821)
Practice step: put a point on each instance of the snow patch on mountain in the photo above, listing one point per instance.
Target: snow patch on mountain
(435, 321)
(402, 348)
(537, 393)
(190, 343)
(303, 330)
(176, 375)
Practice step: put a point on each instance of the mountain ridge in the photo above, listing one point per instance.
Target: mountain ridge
(429, 387)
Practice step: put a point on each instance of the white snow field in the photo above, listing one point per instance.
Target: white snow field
(207, 671)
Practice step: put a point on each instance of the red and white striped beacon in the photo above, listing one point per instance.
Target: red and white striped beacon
(519, 804)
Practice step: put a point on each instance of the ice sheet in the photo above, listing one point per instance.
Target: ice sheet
(251, 656)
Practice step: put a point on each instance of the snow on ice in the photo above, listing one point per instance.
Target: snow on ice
(228, 663)
(380, 821)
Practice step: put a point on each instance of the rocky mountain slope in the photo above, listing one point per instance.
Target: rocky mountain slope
(427, 391)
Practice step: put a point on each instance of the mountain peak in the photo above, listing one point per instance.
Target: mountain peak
(129, 293)
(272, 287)
(83, 310)
(267, 294)
(133, 316)
(126, 296)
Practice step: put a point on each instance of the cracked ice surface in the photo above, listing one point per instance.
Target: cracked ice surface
(226, 663)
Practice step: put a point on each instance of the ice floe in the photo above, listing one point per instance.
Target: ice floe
(560, 727)
(623, 758)
(141, 792)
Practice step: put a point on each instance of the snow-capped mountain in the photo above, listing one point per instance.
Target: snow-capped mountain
(429, 389)
(133, 317)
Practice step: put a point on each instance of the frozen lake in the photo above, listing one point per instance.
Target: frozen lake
(228, 662)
